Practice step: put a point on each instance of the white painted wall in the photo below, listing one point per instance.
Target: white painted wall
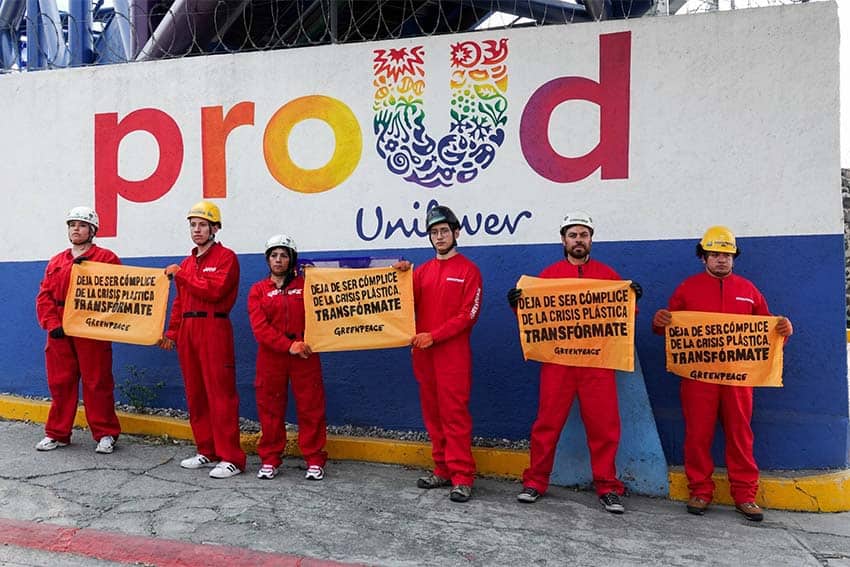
(844, 22)
(738, 122)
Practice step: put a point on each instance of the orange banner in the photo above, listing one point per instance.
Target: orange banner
(721, 348)
(577, 322)
(358, 309)
(111, 302)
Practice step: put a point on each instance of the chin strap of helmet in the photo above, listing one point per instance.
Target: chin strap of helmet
(454, 244)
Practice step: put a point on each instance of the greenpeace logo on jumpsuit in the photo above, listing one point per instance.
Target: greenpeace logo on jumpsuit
(210, 269)
(458, 280)
(274, 292)
(747, 299)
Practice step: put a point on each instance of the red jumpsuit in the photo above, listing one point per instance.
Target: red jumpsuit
(200, 323)
(701, 401)
(596, 389)
(70, 358)
(277, 319)
(447, 295)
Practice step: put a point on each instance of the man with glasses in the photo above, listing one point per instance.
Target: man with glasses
(447, 296)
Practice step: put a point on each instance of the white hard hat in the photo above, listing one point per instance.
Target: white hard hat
(85, 214)
(577, 217)
(280, 240)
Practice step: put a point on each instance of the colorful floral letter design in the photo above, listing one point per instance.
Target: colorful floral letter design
(479, 81)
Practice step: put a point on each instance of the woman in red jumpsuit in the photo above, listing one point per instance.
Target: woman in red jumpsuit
(69, 358)
(276, 312)
(718, 290)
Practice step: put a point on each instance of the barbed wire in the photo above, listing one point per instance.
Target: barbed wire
(144, 30)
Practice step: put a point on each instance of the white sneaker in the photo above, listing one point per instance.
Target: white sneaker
(267, 471)
(197, 462)
(225, 470)
(105, 445)
(48, 444)
(315, 472)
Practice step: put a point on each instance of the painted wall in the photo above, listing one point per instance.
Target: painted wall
(659, 127)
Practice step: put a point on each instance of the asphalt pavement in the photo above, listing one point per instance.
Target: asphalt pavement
(72, 506)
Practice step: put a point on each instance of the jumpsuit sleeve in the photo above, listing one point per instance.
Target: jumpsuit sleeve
(417, 287)
(676, 303)
(211, 286)
(760, 307)
(265, 333)
(468, 313)
(176, 318)
(113, 259)
(45, 304)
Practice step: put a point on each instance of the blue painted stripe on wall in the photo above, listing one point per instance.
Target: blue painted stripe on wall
(803, 425)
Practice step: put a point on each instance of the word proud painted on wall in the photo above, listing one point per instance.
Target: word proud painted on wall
(478, 111)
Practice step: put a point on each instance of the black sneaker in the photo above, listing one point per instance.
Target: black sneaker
(528, 495)
(461, 493)
(612, 503)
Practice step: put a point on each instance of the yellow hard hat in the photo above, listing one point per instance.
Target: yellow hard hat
(719, 239)
(205, 210)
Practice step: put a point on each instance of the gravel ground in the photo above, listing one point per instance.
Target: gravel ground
(249, 426)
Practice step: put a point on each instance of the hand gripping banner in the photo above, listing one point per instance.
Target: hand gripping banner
(577, 322)
(358, 309)
(722, 348)
(111, 302)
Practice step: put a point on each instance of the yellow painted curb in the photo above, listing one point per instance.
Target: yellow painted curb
(491, 462)
(827, 492)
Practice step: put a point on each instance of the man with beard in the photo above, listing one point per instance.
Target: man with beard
(718, 290)
(207, 283)
(596, 388)
(447, 298)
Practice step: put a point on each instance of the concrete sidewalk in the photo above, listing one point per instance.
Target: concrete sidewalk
(140, 502)
(810, 491)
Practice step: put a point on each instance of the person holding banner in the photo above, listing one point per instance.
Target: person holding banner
(276, 311)
(596, 388)
(207, 284)
(68, 358)
(447, 296)
(718, 290)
